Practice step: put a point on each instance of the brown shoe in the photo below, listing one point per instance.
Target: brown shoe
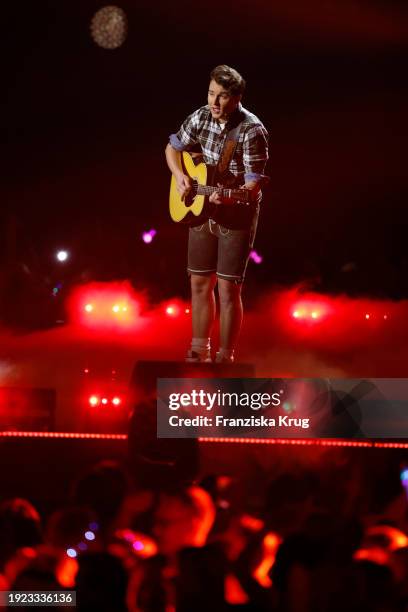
(195, 357)
(219, 358)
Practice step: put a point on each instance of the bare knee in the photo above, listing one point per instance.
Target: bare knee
(202, 285)
(229, 292)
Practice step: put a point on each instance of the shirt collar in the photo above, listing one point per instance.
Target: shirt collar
(234, 119)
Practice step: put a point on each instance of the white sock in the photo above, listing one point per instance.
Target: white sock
(200, 345)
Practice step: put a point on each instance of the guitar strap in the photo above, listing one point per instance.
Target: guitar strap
(228, 150)
(230, 144)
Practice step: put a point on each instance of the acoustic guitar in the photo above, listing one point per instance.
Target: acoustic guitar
(195, 202)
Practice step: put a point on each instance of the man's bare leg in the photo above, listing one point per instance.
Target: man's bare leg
(231, 315)
(203, 313)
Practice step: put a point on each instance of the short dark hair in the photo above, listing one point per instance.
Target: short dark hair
(229, 78)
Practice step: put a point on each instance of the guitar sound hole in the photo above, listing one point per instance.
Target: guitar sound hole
(189, 199)
(191, 196)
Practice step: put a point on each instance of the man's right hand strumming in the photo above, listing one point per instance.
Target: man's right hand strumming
(183, 182)
(183, 185)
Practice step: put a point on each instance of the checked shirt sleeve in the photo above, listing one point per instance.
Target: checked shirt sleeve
(187, 136)
(255, 152)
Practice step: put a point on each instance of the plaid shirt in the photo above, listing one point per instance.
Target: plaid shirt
(251, 152)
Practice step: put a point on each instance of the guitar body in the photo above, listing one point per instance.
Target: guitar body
(188, 210)
(196, 208)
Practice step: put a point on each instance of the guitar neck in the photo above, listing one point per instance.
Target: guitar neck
(234, 194)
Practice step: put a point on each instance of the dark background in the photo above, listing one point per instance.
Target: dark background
(85, 130)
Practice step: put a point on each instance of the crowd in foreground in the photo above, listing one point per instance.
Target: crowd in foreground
(311, 545)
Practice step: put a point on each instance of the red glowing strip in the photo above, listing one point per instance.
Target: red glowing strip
(58, 434)
(391, 444)
(311, 442)
(275, 441)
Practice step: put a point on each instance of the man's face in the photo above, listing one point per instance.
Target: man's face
(221, 102)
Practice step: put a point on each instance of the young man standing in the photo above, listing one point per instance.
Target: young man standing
(218, 249)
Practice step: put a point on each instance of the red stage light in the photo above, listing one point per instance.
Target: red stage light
(172, 310)
(104, 306)
(309, 311)
(175, 308)
(95, 400)
(367, 316)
